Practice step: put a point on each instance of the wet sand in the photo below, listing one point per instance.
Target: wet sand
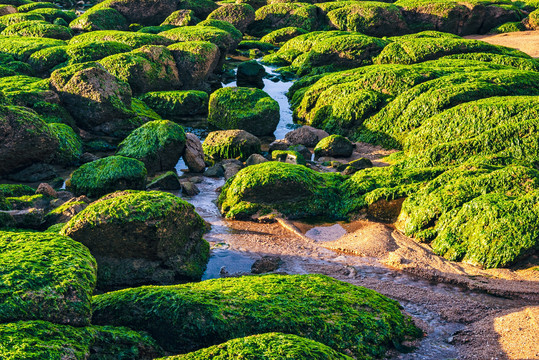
(525, 41)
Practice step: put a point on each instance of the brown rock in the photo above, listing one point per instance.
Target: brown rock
(46, 190)
(306, 135)
(194, 154)
(266, 264)
(145, 12)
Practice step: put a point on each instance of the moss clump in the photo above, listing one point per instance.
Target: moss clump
(24, 90)
(11, 19)
(70, 144)
(266, 347)
(51, 14)
(158, 144)
(508, 27)
(201, 8)
(280, 15)
(36, 340)
(230, 144)
(21, 47)
(46, 60)
(293, 190)
(38, 29)
(239, 15)
(281, 155)
(243, 108)
(223, 39)
(143, 110)
(337, 314)
(45, 276)
(133, 39)
(94, 50)
(15, 190)
(280, 36)
(100, 20)
(36, 5)
(105, 175)
(177, 105)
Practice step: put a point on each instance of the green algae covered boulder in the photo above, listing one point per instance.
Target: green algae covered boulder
(158, 144)
(11, 19)
(222, 38)
(133, 39)
(188, 317)
(180, 18)
(295, 191)
(239, 15)
(70, 145)
(230, 144)
(100, 19)
(244, 108)
(21, 47)
(280, 36)
(106, 175)
(141, 238)
(334, 145)
(280, 15)
(145, 12)
(14, 190)
(201, 8)
(196, 61)
(267, 346)
(38, 29)
(177, 105)
(45, 276)
(94, 50)
(44, 340)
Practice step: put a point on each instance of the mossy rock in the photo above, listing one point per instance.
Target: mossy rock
(38, 29)
(196, 61)
(36, 5)
(106, 175)
(180, 18)
(334, 145)
(20, 47)
(280, 36)
(94, 50)
(46, 60)
(149, 68)
(295, 191)
(14, 190)
(133, 39)
(45, 340)
(26, 139)
(144, 111)
(142, 237)
(230, 144)
(370, 18)
(11, 19)
(314, 306)
(70, 145)
(533, 20)
(239, 15)
(45, 277)
(201, 8)
(280, 15)
(267, 346)
(158, 144)
(223, 25)
(508, 27)
(100, 19)
(288, 156)
(26, 91)
(223, 39)
(243, 108)
(177, 105)
(145, 12)
(500, 59)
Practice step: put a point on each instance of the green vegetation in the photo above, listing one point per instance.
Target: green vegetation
(100, 19)
(144, 111)
(94, 50)
(36, 5)
(36, 340)
(11, 19)
(16, 190)
(280, 36)
(176, 105)
(21, 47)
(70, 145)
(239, 15)
(45, 276)
(222, 38)
(179, 18)
(281, 15)
(195, 60)
(508, 27)
(39, 29)
(268, 346)
(277, 154)
(191, 316)
(105, 175)
(133, 39)
(334, 145)
(230, 144)
(52, 14)
(243, 108)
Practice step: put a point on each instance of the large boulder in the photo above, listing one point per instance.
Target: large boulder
(145, 12)
(45, 276)
(194, 154)
(335, 146)
(239, 15)
(187, 317)
(177, 105)
(39, 28)
(97, 100)
(243, 108)
(45, 340)
(196, 61)
(306, 135)
(149, 68)
(267, 347)
(158, 144)
(138, 238)
(133, 39)
(24, 139)
(230, 144)
(108, 174)
(100, 19)
(280, 15)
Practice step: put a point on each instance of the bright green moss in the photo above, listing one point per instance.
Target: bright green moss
(51, 14)
(36, 5)
(11, 19)
(155, 29)
(223, 39)
(143, 110)
(26, 201)
(201, 8)
(280, 15)
(24, 90)
(132, 39)
(21, 47)
(55, 229)
(339, 315)
(266, 347)
(508, 27)
(230, 144)
(516, 62)
(45, 276)
(105, 175)
(39, 29)
(281, 36)
(15, 190)
(46, 60)
(243, 108)
(223, 25)
(180, 18)
(70, 144)
(276, 154)
(100, 20)
(37, 340)
(176, 105)
(94, 50)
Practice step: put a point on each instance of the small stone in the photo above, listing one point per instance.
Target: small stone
(266, 264)
(167, 181)
(361, 163)
(215, 171)
(194, 154)
(231, 167)
(189, 189)
(279, 145)
(306, 135)
(255, 159)
(46, 190)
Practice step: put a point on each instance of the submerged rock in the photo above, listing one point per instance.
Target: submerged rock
(142, 238)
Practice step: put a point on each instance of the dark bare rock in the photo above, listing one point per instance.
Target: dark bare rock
(194, 154)
(266, 264)
(305, 135)
(34, 173)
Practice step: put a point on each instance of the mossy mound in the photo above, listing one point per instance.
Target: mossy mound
(99, 20)
(201, 8)
(144, 12)
(94, 50)
(196, 60)
(239, 15)
(14, 190)
(158, 144)
(191, 316)
(106, 175)
(334, 145)
(266, 347)
(295, 191)
(149, 68)
(41, 29)
(230, 144)
(34, 340)
(243, 108)
(21, 47)
(508, 27)
(133, 39)
(280, 15)
(177, 105)
(11, 19)
(141, 238)
(45, 276)
(288, 156)
(280, 36)
(180, 18)
(36, 5)
(70, 145)
(223, 39)
(51, 14)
